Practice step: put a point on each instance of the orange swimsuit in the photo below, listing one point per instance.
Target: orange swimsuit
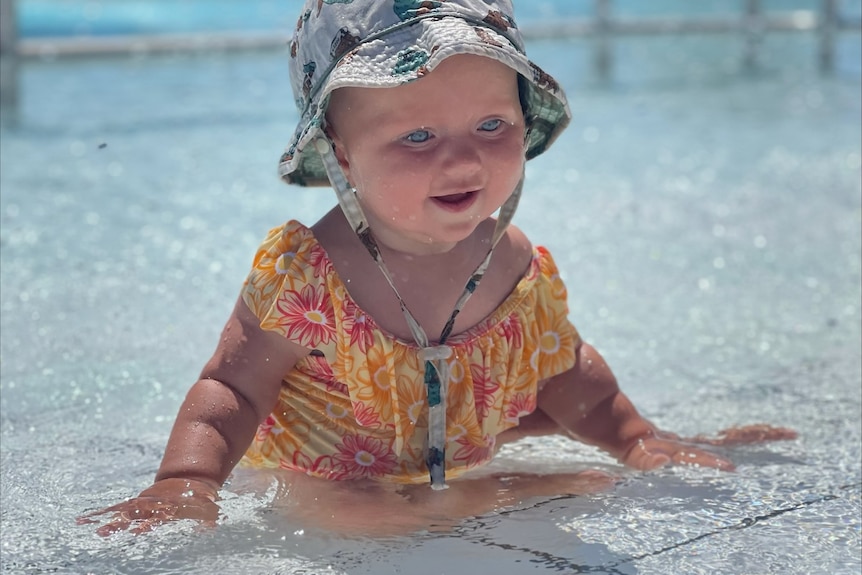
(356, 406)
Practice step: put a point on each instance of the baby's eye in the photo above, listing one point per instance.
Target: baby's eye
(418, 137)
(491, 125)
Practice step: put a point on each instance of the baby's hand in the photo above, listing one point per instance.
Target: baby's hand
(664, 448)
(747, 434)
(164, 501)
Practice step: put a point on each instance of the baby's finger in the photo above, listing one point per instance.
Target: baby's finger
(755, 434)
(697, 457)
(644, 458)
(747, 434)
(118, 523)
(147, 525)
(85, 519)
(88, 517)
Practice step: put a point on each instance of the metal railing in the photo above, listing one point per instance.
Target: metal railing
(751, 23)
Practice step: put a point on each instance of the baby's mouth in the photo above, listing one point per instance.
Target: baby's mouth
(455, 199)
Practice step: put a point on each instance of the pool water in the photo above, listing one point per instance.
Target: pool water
(706, 220)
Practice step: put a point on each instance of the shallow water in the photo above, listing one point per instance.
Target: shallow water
(706, 220)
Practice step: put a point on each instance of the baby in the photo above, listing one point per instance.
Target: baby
(408, 333)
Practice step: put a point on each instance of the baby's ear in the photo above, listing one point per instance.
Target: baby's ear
(338, 148)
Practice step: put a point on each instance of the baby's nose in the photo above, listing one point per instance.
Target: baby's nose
(462, 159)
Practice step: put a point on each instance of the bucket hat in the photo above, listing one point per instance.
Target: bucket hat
(386, 43)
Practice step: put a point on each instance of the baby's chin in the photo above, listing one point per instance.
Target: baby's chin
(441, 240)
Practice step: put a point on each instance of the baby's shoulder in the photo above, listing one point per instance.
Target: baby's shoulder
(518, 239)
(512, 258)
(515, 249)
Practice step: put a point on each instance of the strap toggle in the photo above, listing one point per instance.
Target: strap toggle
(435, 352)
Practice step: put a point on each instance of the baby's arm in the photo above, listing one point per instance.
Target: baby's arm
(588, 404)
(237, 389)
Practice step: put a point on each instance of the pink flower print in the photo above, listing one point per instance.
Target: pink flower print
(307, 316)
(319, 369)
(483, 389)
(337, 387)
(464, 348)
(362, 334)
(365, 415)
(324, 467)
(317, 366)
(364, 457)
(265, 428)
(521, 405)
(513, 332)
(536, 264)
(298, 462)
(318, 261)
(473, 455)
(357, 324)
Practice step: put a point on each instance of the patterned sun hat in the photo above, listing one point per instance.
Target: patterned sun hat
(386, 43)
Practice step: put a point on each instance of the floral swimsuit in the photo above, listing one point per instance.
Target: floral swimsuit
(356, 406)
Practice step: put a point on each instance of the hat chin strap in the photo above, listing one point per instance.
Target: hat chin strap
(436, 356)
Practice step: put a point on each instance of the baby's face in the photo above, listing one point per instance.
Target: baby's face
(432, 159)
